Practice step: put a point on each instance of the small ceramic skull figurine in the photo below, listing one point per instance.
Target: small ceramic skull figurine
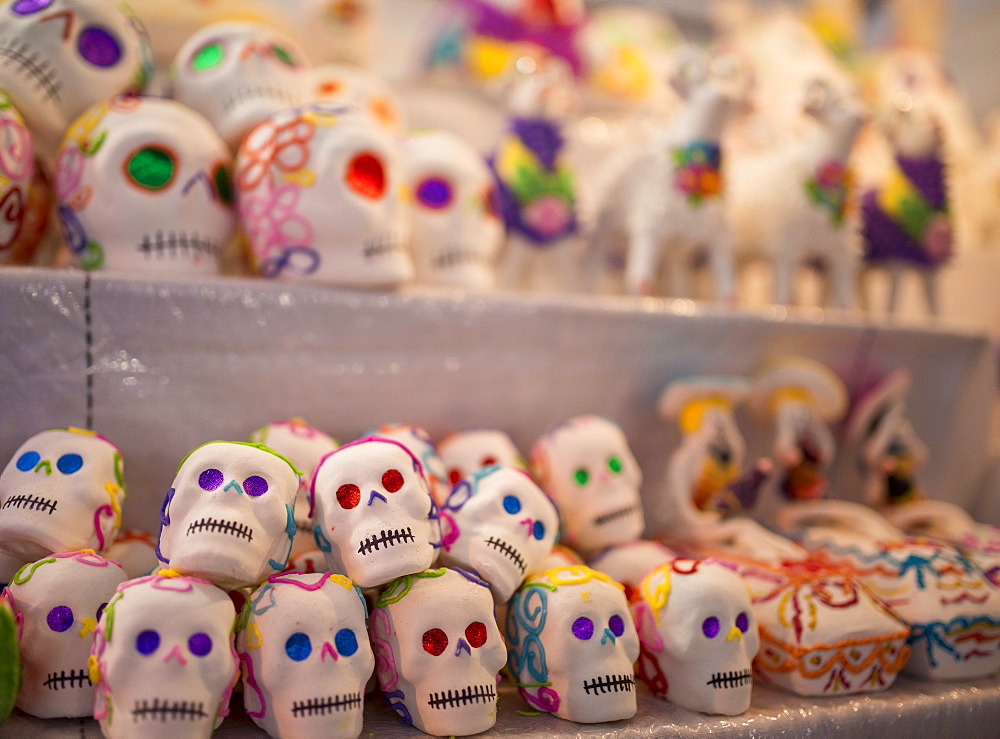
(306, 656)
(456, 231)
(57, 601)
(62, 491)
(236, 73)
(352, 85)
(164, 165)
(587, 468)
(57, 57)
(627, 564)
(571, 645)
(17, 168)
(163, 658)
(699, 636)
(438, 667)
(466, 452)
(228, 517)
(374, 516)
(318, 192)
(417, 440)
(500, 525)
(135, 551)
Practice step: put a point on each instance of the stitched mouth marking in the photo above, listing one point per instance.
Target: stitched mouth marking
(380, 246)
(174, 243)
(323, 706)
(75, 678)
(386, 539)
(19, 54)
(167, 711)
(258, 92)
(225, 527)
(455, 257)
(609, 684)
(730, 679)
(469, 694)
(620, 513)
(508, 550)
(31, 502)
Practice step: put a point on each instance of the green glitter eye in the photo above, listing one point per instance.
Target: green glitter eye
(151, 167)
(615, 464)
(581, 476)
(283, 55)
(223, 185)
(208, 56)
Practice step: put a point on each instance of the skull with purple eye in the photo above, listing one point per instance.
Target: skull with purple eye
(229, 515)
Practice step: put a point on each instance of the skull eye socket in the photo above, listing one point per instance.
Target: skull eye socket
(346, 642)
(454, 475)
(98, 46)
(27, 7)
(538, 530)
(223, 183)
(392, 480)
(147, 642)
(28, 461)
(200, 644)
(491, 201)
(208, 56)
(743, 622)
(366, 176)
(435, 192)
(210, 479)
(255, 486)
(617, 625)
(435, 641)
(69, 463)
(283, 55)
(710, 627)
(60, 618)
(615, 464)
(511, 504)
(582, 476)
(298, 646)
(475, 633)
(583, 628)
(488, 462)
(151, 167)
(348, 495)
(100, 610)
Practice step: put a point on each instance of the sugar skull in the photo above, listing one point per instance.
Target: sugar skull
(456, 231)
(306, 657)
(236, 73)
(572, 644)
(699, 636)
(17, 168)
(163, 659)
(135, 551)
(318, 193)
(466, 452)
(57, 602)
(374, 516)
(164, 165)
(351, 85)
(228, 517)
(418, 441)
(500, 525)
(305, 446)
(57, 57)
(628, 563)
(62, 491)
(438, 667)
(586, 467)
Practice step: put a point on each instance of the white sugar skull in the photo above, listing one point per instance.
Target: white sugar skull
(57, 57)
(318, 193)
(499, 524)
(305, 446)
(228, 517)
(164, 165)
(456, 231)
(466, 452)
(419, 442)
(571, 645)
(351, 85)
(17, 168)
(374, 516)
(438, 667)
(163, 658)
(62, 491)
(628, 563)
(306, 657)
(135, 551)
(586, 467)
(57, 602)
(699, 636)
(236, 73)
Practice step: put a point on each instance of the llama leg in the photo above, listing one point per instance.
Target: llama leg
(721, 263)
(642, 260)
(929, 276)
(784, 270)
(512, 267)
(895, 271)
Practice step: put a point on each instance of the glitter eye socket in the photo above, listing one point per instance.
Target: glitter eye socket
(475, 633)
(283, 55)
(223, 183)
(583, 628)
(151, 167)
(617, 625)
(348, 495)
(210, 479)
(28, 461)
(511, 504)
(98, 46)
(298, 646)
(435, 641)
(435, 193)
(710, 627)
(582, 476)
(346, 642)
(454, 475)
(69, 463)
(743, 622)
(60, 618)
(147, 642)
(392, 480)
(255, 486)
(491, 200)
(487, 462)
(208, 56)
(538, 530)
(615, 464)
(366, 176)
(27, 7)
(200, 644)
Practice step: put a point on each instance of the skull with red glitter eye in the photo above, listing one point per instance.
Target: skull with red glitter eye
(437, 667)
(417, 440)
(455, 231)
(375, 519)
(229, 515)
(466, 452)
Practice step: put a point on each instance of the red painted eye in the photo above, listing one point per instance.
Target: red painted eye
(454, 475)
(435, 641)
(491, 199)
(487, 461)
(366, 176)
(392, 480)
(475, 633)
(348, 495)
(435, 193)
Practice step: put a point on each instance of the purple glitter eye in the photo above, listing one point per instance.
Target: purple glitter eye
(147, 642)
(583, 628)
(200, 644)
(710, 627)
(60, 618)
(27, 7)
(210, 479)
(743, 622)
(616, 625)
(255, 486)
(98, 46)
(435, 192)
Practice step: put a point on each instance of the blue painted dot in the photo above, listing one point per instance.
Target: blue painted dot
(511, 504)
(617, 625)
(346, 642)
(69, 463)
(298, 646)
(200, 644)
(60, 618)
(538, 530)
(28, 461)
(147, 642)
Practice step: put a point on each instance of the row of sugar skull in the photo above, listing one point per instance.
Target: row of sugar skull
(229, 515)
(463, 453)
(572, 645)
(21, 191)
(419, 442)
(438, 667)
(306, 656)
(163, 659)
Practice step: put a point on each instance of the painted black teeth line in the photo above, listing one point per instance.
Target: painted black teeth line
(614, 515)
(323, 706)
(508, 550)
(159, 243)
(460, 256)
(20, 54)
(386, 539)
(31, 502)
(379, 246)
(469, 694)
(610, 683)
(166, 711)
(58, 681)
(730, 679)
(225, 527)
(264, 92)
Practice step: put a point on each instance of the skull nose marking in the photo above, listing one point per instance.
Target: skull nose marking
(527, 522)
(46, 464)
(327, 649)
(734, 633)
(608, 634)
(67, 17)
(176, 651)
(89, 624)
(234, 484)
(462, 644)
(375, 494)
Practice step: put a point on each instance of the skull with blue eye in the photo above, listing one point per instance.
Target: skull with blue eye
(229, 516)
(500, 525)
(306, 656)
